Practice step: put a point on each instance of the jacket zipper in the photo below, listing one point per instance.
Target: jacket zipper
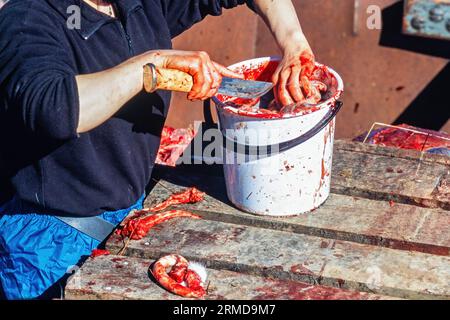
(128, 39)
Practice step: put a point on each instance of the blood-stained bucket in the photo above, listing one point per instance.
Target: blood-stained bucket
(278, 166)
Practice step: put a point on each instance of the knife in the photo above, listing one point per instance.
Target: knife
(175, 80)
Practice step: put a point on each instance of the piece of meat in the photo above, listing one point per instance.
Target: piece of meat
(139, 224)
(98, 252)
(313, 82)
(138, 228)
(189, 195)
(173, 144)
(192, 284)
(418, 139)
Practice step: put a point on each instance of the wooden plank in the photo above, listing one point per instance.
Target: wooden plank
(289, 256)
(391, 225)
(380, 173)
(353, 146)
(114, 277)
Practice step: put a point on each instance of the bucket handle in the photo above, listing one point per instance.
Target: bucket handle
(284, 146)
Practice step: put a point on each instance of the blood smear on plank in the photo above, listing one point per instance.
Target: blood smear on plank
(408, 137)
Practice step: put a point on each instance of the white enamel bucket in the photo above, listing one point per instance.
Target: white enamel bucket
(290, 174)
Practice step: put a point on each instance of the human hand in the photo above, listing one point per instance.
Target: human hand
(207, 74)
(291, 78)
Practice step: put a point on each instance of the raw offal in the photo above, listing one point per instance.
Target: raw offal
(316, 86)
(418, 139)
(184, 278)
(173, 144)
(190, 195)
(138, 226)
(98, 252)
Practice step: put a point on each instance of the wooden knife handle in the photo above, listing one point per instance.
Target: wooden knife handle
(167, 79)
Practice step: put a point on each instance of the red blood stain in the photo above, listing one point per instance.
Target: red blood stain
(341, 282)
(290, 290)
(324, 172)
(324, 244)
(287, 166)
(194, 237)
(98, 252)
(422, 140)
(236, 232)
(301, 269)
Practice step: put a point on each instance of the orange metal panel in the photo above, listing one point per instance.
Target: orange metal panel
(228, 39)
(380, 81)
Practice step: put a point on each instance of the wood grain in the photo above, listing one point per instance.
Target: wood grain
(365, 221)
(128, 278)
(290, 256)
(389, 174)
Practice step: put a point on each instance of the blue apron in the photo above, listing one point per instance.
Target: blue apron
(37, 251)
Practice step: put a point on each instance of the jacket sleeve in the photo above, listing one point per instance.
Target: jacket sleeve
(37, 80)
(181, 15)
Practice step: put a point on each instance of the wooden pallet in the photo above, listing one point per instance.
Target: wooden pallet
(384, 233)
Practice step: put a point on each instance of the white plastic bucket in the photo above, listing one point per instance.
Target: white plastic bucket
(290, 182)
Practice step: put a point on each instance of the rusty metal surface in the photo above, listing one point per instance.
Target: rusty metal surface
(380, 81)
(427, 18)
(225, 42)
(129, 278)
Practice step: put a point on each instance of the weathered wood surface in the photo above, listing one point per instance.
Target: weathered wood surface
(366, 221)
(352, 146)
(114, 277)
(391, 174)
(383, 232)
(291, 256)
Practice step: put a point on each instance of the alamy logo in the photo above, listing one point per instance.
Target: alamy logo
(374, 21)
(74, 19)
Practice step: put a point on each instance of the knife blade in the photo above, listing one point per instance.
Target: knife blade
(247, 89)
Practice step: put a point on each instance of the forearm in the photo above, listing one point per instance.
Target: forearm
(281, 17)
(103, 93)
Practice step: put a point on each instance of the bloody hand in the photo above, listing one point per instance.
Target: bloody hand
(292, 76)
(207, 74)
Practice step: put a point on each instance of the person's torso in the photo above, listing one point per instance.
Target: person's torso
(108, 167)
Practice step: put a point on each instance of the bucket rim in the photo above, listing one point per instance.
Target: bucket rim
(329, 102)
